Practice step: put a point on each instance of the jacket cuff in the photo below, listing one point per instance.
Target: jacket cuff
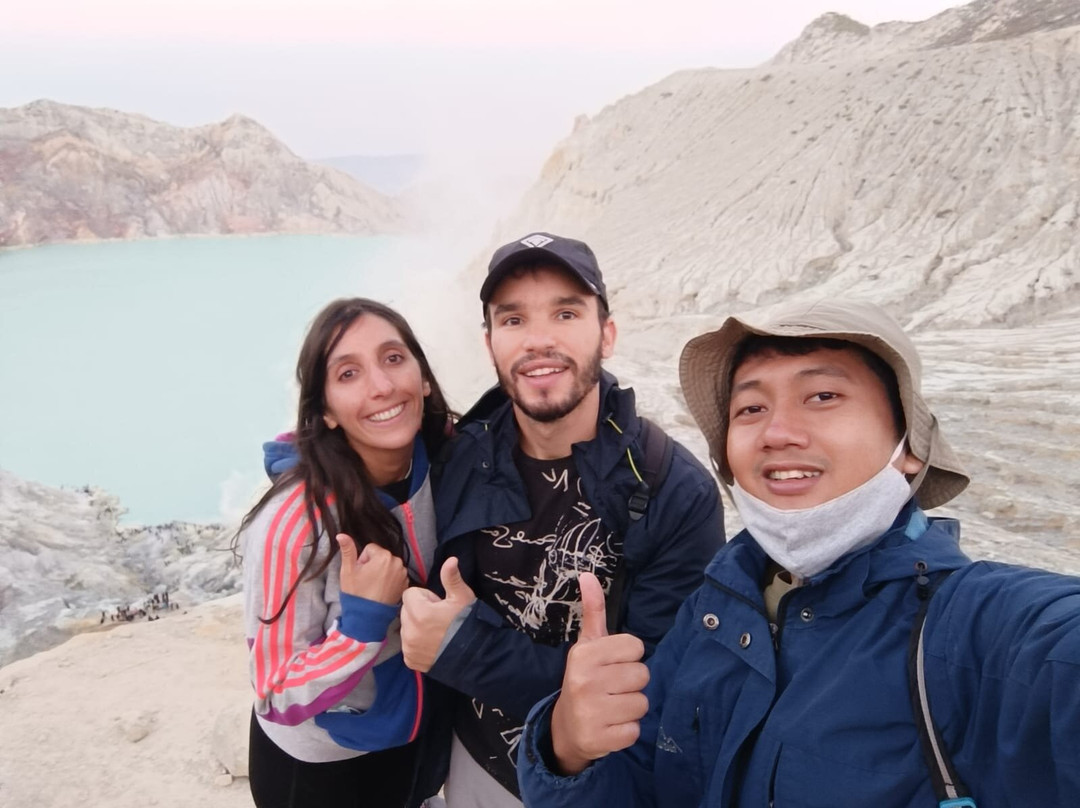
(365, 620)
(454, 627)
(536, 754)
(456, 650)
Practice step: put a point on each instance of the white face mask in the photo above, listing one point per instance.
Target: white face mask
(807, 541)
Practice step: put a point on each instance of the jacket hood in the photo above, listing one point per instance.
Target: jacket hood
(280, 455)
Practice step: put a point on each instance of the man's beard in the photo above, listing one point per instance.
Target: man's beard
(547, 410)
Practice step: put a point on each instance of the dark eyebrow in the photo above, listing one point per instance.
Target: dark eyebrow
(502, 308)
(570, 300)
(339, 359)
(833, 371)
(747, 385)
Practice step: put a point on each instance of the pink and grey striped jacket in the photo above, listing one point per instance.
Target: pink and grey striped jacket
(317, 668)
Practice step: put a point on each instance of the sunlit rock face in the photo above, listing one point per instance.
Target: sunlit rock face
(932, 167)
(74, 173)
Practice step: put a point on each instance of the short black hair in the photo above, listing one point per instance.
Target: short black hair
(761, 345)
(531, 268)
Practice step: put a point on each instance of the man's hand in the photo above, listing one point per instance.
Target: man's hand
(425, 616)
(375, 574)
(601, 701)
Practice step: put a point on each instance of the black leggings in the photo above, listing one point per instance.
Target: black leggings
(374, 780)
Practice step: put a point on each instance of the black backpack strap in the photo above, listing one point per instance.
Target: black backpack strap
(948, 787)
(657, 449)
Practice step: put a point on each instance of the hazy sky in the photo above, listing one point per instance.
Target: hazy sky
(498, 79)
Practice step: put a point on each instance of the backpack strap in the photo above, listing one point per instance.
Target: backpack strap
(657, 449)
(948, 787)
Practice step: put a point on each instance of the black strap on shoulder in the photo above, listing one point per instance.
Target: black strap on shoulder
(948, 787)
(657, 449)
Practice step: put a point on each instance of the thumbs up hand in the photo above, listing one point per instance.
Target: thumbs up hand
(601, 703)
(374, 573)
(425, 617)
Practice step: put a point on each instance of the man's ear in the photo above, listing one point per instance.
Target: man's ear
(909, 463)
(608, 332)
(487, 344)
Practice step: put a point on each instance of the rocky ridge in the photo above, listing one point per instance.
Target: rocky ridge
(67, 565)
(944, 182)
(74, 173)
(835, 36)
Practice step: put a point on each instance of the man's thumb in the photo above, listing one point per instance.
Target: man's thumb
(593, 608)
(453, 583)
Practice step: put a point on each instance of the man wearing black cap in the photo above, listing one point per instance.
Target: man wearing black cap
(553, 474)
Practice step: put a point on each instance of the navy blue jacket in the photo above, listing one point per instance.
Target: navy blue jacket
(822, 716)
(665, 552)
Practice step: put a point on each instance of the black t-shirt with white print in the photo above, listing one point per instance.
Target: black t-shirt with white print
(527, 572)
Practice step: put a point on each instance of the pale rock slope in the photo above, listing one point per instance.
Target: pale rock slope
(148, 714)
(64, 561)
(933, 167)
(75, 173)
(945, 181)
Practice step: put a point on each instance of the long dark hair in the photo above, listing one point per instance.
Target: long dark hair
(328, 467)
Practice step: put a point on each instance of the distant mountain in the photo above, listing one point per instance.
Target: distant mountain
(838, 37)
(933, 167)
(388, 174)
(75, 173)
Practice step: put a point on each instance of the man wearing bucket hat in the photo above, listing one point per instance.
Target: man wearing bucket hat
(552, 473)
(842, 651)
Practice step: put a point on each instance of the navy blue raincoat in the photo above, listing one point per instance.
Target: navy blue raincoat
(819, 715)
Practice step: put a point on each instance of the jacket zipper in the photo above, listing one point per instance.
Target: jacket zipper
(772, 778)
(777, 628)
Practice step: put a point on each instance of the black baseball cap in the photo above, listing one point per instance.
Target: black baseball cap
(570, 254)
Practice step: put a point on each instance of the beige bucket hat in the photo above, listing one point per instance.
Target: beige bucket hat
(705, 376)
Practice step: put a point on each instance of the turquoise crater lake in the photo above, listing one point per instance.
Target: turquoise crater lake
(155, 369)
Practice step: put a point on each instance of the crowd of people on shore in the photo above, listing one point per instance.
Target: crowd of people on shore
(149, 609)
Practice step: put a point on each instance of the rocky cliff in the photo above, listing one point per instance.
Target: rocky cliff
(933, 167)
(838, 37)
(73, 173)
(66, 566)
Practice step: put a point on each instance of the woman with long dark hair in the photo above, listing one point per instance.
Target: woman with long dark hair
(328, 552)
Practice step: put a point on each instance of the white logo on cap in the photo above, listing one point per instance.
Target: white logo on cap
(536, 240)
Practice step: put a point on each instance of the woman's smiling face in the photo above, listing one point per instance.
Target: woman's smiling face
(375, 393)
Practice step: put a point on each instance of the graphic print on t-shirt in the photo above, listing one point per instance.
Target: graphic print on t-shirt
(528, 574)
(530, 569)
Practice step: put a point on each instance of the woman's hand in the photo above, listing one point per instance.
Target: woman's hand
(377, 574)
